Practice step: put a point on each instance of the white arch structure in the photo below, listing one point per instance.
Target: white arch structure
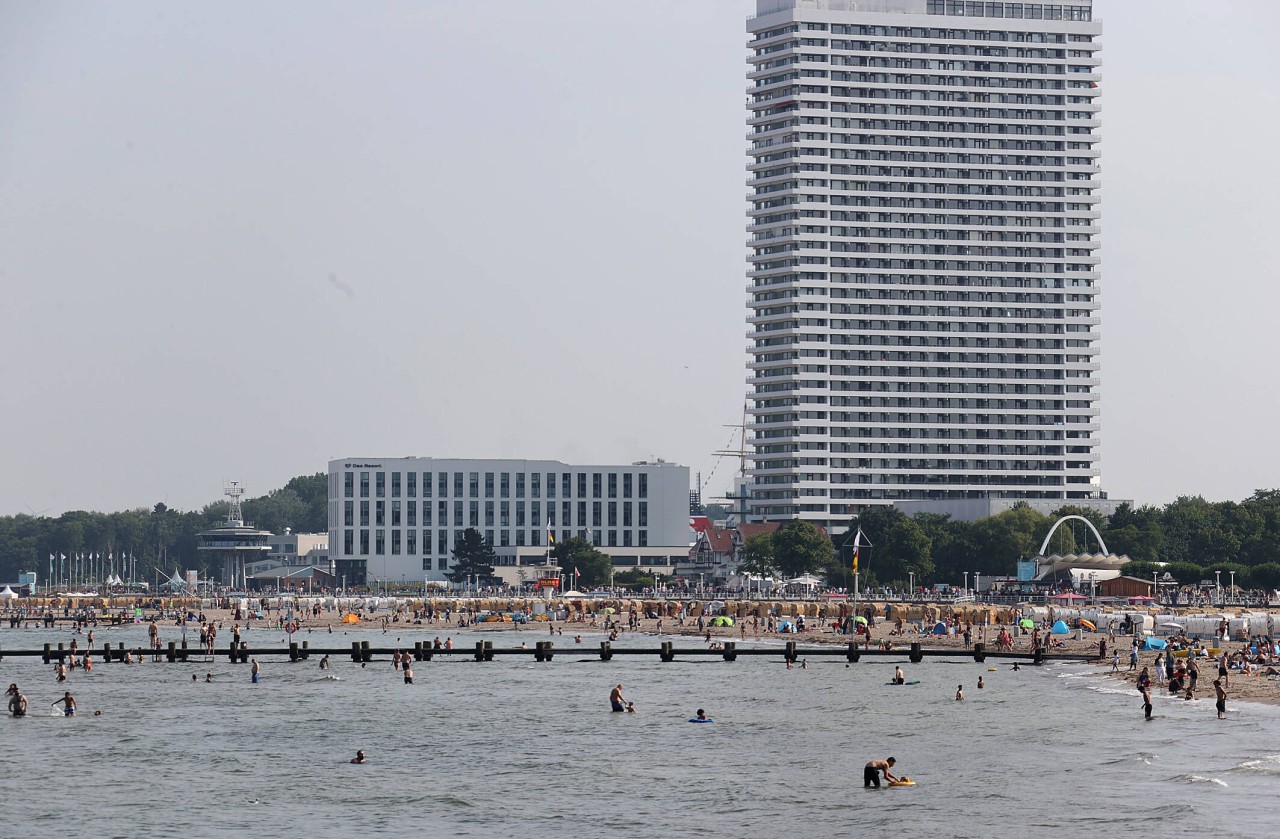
(1102, 546)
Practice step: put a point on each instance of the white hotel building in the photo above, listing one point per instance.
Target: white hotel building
(401, 517)
(923, 272)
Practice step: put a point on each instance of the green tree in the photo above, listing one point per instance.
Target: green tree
(1264, 576)
(800, 547)
(756, 556)
(577, 554)
(472, 557)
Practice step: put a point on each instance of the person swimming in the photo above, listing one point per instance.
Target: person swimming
(359, 758)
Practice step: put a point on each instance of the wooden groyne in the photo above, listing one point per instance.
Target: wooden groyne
(363, 651)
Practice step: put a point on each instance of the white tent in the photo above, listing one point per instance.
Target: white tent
(808, 580)
(8, 594)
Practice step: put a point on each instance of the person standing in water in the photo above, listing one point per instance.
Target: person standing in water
(68, 704)
(871, 772)
(616, 700)
(1222, 698)
(255, 670)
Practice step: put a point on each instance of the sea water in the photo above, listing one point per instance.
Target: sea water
(512, 747)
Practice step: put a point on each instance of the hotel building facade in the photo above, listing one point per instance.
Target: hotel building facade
(923, 272)
(402, 517)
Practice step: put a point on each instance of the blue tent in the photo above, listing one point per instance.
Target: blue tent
(1154, 643)
(939, 628)
(1060, 628)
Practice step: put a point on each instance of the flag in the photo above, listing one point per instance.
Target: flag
(551, 536)
(575, 572)
(857, 541)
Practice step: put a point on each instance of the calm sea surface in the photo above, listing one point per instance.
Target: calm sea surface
(514, 748)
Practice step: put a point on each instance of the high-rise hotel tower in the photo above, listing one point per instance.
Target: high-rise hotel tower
(923, 273)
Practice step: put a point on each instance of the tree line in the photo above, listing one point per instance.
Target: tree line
(1189, 538)
(159, 539)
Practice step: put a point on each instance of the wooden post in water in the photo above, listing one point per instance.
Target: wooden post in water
(293, 650)
(183, 652)
(606, 651)
(417, 651)
(365, 653)
(667, 653)
(305, 653)
(355, 650)
(479, 650)
(172, 655)
(45, 657)
(853, 655)
(730, 650)
(789, 654)
(979, 652)
(916, 656)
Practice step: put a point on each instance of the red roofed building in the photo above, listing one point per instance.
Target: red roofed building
(714, 554)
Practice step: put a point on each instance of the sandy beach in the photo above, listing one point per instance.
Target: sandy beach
(591, 628)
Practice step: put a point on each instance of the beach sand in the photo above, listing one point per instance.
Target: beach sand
(1254, 688)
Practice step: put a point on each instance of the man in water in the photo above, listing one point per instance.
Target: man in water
(255, 670)
(68, 704)
(959, 692)
(616, 700)
(1145, 689)
(1218, 688)
(17, 702)
(324, 663)
(871, 773)
(899, 678)
(359, 758)
(701, 715)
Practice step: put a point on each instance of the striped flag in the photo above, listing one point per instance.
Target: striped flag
(551, 536)
(857, 542)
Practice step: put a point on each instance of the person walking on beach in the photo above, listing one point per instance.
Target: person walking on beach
(1193, 670)
(1221, 694)
(255, 671)
(1115, 661)
(1159, 668)
(871, 772)
(1223, 675)
(1133, 657)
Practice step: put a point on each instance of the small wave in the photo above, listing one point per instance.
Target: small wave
(1197, 779)
(1268, 765)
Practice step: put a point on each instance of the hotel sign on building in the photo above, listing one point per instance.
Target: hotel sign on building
(401, 517)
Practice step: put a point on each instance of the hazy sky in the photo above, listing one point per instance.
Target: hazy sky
(240, 239)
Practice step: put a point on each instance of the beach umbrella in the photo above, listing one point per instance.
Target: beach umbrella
(1087, 624)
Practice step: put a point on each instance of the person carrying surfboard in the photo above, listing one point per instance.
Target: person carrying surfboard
(871, 774)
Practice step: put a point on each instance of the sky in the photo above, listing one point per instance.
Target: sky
(238, 240)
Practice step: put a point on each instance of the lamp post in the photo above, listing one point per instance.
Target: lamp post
(1217, 585)
(966, 583)
(976, 584)
(1233, 585)
(911, 584)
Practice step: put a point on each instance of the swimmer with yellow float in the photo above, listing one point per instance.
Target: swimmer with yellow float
(871, 774)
